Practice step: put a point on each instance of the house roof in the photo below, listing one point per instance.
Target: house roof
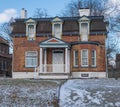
(70, 24)
(3, 41)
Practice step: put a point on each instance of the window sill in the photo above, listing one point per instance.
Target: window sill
(84, 66)
(75, 66)
(29, 67)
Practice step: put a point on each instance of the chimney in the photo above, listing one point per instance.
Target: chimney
(23, 13)
(84, 12)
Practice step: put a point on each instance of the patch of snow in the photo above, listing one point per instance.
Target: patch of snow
(117, 104)
(90, 92)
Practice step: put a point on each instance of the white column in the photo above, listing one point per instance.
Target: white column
(66, 59)
(45, 60)
(41, 64)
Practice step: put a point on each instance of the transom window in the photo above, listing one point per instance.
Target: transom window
(75, 58)
(84, 57)
(31, 58)
(93, 54)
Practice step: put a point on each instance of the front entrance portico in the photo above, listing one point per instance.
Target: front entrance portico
(54, 62)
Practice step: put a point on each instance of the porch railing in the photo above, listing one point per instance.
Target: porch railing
(50, 68)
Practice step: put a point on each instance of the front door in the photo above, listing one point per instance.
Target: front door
(58, 61)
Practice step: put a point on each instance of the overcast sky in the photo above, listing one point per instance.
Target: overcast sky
(11, 8)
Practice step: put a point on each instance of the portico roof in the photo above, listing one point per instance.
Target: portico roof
(54, 43)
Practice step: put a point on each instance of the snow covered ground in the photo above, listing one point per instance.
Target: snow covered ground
(73, 93)
(90, 93)
(28, 93)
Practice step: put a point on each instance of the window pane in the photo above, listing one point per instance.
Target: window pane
(31, 30)
(84, 31)
(93, 52)
(57, 30)
(84, 58)
(75, 58)
(31, 59)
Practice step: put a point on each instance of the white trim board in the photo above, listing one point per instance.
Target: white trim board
(90, 74)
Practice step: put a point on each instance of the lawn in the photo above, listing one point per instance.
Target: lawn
(50, 93)
(28, 93)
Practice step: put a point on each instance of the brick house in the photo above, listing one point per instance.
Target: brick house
(5, 58)
(59, 47)
(117, 61)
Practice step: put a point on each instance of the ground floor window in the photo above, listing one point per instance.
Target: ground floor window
(75, 58)
(84, 58)
(31, 59)
(93, 54)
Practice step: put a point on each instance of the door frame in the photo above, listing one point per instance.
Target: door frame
(57, 50)
(62, 51)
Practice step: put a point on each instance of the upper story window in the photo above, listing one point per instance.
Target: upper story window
(31, 29)
(84, 28)
(57, 27)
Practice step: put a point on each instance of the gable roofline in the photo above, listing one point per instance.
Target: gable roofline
(4, 41)
(61, 43)
(53, 38)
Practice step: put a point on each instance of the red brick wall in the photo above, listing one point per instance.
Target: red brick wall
(21, 45)
(100, 58)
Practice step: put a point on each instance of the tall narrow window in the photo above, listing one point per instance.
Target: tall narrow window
(57, 32)
(93, 54)
(31, 31)
(84, 57)
(31, 59)
(57, 27)
(84, 31)
(75, 58)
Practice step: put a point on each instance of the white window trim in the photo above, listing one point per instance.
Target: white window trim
(94, 59)
(87, 59)
(31, 22)
(84, 20)
(74, 58)
(81, 30)
(27, 31)
(26, 61)
(53, 28)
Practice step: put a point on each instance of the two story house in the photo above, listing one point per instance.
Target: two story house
(5, 58)
(59, 47)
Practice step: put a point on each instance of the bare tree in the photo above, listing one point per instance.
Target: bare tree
(97, 7)
(5, 30)
(112, 46)
(40, 13)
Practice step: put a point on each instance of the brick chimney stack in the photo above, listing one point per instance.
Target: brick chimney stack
(23, 13)
(84, 12)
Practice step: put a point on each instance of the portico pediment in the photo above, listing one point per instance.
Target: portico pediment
(54, 42)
